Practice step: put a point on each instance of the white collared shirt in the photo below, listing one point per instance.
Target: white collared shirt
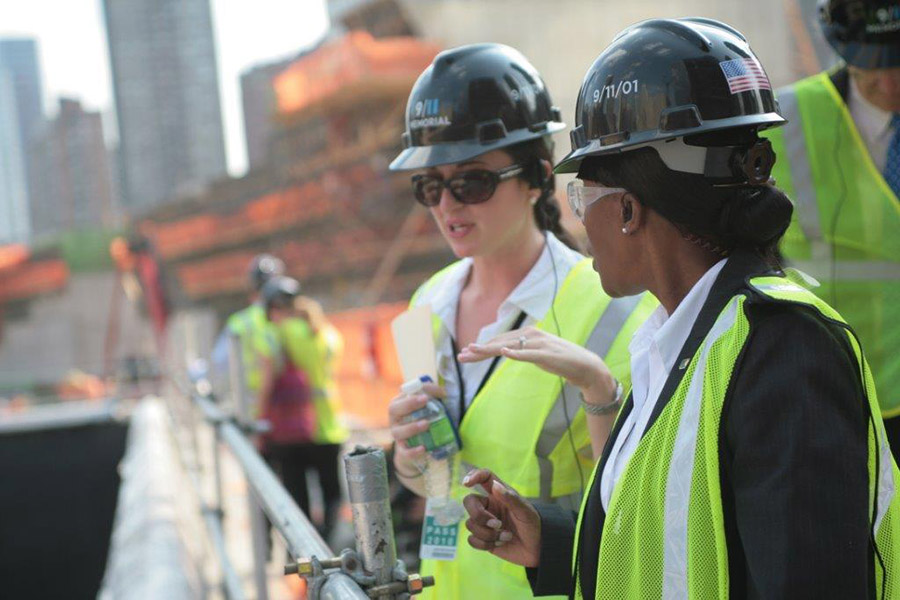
(533, 295)
(654, 349)
(873, 124)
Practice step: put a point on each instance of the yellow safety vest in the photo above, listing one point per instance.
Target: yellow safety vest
(259, 339)
(523, 427)
(663, 535)
(316, 355)
(846, 226)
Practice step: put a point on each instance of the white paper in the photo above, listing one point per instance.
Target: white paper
(414, 340)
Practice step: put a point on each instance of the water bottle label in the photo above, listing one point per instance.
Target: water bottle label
(440, 433)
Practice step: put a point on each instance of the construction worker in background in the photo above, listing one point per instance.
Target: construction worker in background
(478, 128)
(311, 346)
(839, 161)
(258, 337)
(749, 460)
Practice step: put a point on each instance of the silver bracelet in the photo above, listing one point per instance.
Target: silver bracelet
(604, 409)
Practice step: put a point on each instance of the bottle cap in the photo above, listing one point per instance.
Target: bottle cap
(413, 386)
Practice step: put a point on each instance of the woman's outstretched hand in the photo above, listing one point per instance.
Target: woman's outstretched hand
(579, 366)
(502, 523)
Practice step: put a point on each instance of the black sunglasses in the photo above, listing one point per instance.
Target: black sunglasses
(469, 187)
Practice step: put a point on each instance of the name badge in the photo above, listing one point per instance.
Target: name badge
(438, 541)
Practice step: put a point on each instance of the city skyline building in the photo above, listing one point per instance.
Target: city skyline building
(168, 110)
(14, 215)
(20, 57)
(23, 103)
(259, 107)
(74, 187)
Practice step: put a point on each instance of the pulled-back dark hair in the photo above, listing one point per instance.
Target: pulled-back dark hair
(547, 213)
(721, 219)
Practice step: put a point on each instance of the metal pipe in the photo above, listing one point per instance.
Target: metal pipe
(212, 517)
(301, 537)
(367, 484)
(236, 376)
(217, 473)
(258, 529)
(339, 586)
(231, 582)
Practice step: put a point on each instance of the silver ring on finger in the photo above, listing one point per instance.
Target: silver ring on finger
(522, 340)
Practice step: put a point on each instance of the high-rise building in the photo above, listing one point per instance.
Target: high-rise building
(24, 103)
(19, 57)
(259, 106)
(167, 98)
(72, 188)
(14, 220)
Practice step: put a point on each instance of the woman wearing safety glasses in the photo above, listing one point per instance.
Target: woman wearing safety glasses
(749, 459)
(479, 121)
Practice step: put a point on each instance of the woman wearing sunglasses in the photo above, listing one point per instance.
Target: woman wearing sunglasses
(479, 121)
(749, 460)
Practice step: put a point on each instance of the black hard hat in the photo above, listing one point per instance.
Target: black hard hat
(262, 268)
(866, 33)
(692, 80)
(279, 292)
(471, 100)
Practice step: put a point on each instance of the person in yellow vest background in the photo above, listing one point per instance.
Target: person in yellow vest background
(311, 347)
(750, 459)
(479, 121)
(839, 161)
(258, 337)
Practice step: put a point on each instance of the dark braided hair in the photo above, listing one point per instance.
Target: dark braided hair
(547, 213)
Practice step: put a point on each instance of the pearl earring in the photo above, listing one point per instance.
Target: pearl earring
(534, 200)
(625, 230)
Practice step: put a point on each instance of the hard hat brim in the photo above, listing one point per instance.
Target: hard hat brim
(868, 56)
(423, 157)
(572, 161)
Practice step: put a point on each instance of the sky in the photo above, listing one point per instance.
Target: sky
(74, 58)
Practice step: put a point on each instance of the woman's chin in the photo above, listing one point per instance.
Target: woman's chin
(462, 248)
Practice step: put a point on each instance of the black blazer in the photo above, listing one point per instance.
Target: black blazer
(794, 457)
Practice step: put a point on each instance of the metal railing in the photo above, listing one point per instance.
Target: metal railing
(371, 571)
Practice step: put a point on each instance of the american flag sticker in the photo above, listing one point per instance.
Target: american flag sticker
(744, 74)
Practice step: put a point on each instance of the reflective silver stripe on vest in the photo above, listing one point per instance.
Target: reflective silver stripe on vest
(886, 485)
(566, 406)
(850, 270)
(801, 174)
(681, 469)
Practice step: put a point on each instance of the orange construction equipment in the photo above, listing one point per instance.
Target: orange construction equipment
(369, 374)
(356, 58)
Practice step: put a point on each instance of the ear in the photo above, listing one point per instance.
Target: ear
(542, 173)
(632, 212)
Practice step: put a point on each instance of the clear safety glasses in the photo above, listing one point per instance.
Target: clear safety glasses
(581, 196)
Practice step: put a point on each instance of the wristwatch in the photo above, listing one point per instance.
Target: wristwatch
(605, 409)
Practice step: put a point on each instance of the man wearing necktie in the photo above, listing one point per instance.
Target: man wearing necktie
(839, 161)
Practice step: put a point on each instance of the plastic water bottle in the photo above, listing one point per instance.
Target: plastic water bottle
(442, 443)
(440, 438)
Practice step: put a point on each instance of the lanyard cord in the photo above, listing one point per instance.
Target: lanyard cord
(462, 385)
